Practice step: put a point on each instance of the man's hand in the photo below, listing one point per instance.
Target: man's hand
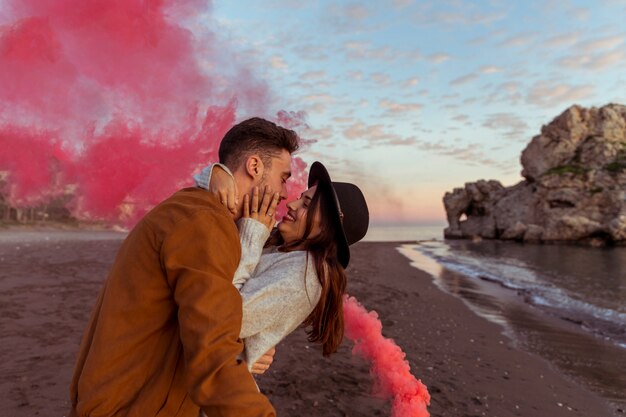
(263, 364)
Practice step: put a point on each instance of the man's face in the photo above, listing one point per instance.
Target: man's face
(277, 174)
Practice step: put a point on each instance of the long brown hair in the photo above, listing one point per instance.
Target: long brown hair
(326, 319)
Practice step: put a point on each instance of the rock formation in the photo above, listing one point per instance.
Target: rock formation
(574, 187)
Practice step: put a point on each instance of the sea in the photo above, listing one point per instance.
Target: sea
(563, 302)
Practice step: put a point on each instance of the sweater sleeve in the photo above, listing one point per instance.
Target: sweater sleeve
(277, 301)
(252, 236)
(199, 257)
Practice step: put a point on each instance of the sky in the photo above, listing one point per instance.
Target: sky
(121, 100)
(410, 99)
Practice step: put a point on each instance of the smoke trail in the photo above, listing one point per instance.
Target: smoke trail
(114, 101)
(389, 368)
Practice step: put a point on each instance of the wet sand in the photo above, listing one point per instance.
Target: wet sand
(469, 365)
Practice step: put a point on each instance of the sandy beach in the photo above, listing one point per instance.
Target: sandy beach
(49, 282)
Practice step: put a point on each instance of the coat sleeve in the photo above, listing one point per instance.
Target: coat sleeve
(200, 256)
(276, 301)
(252, 236)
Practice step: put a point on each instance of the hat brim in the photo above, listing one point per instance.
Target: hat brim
(317, 174)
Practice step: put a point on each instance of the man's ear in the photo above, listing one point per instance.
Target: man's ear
(254, 167)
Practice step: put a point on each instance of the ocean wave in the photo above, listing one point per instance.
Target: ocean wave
(537, 286)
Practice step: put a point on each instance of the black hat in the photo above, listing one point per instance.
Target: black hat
(350, 209)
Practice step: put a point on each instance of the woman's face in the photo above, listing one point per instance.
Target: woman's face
(293, 225)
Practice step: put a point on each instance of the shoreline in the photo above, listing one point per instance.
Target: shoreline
(469, 366)
(587, 358)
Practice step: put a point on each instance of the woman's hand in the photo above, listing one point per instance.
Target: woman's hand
(264, 362)
(223, 185)
(264, 212)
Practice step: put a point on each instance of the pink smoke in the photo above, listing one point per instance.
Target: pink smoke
(389, 368)
(115, 101)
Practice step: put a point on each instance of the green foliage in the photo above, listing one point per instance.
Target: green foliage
(596, 190)
(616, 166)
(567, 169)
(619, 163)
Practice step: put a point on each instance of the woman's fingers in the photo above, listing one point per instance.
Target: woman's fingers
(258, 369)
(267, 200)
(232, 199)
(246, 205)
(264, 362)
(222, 185)
(254, 207)
(271, 211)
(261, 209)
(223, 198)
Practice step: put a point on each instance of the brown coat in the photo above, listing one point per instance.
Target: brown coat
(163, 338)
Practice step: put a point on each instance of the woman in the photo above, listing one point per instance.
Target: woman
(299, 278)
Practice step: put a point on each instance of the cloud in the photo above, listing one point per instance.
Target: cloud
(599, 61)
(456, 13)
(413, 55)
(380, 78)
(593, 45)
(470, 154)
(509, 86)
(355, 11)
(349, 18)
(277, 62)
(562, 40)
(365, 50)
(490, 69)
(317, 103)
(439, 58)
(323, 133)
(546, 94)
(392, 107)
(356, 75)
(326, 98)
(607, 60)
(310, 52)
(281, 4)
(487, 37)
(313, 75)
(579, 13)
(343, 120)
(403, 141)
(519, 40)
(461, 118)
(510, 124)
(595, 54)
(376, 135)
(300, 85)
(464, 79)
(411, 82)
(401, 4)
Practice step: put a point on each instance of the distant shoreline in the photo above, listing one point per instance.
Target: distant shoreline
(59, 226)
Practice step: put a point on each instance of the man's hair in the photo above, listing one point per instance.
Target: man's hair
(256, 136)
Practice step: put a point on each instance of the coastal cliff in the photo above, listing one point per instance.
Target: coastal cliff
(574, 187)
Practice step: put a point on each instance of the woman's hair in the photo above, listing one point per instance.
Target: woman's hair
(326, 319)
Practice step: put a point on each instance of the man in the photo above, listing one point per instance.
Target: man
(163, 338)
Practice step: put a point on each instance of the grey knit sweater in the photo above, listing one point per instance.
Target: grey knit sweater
(279, 290)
